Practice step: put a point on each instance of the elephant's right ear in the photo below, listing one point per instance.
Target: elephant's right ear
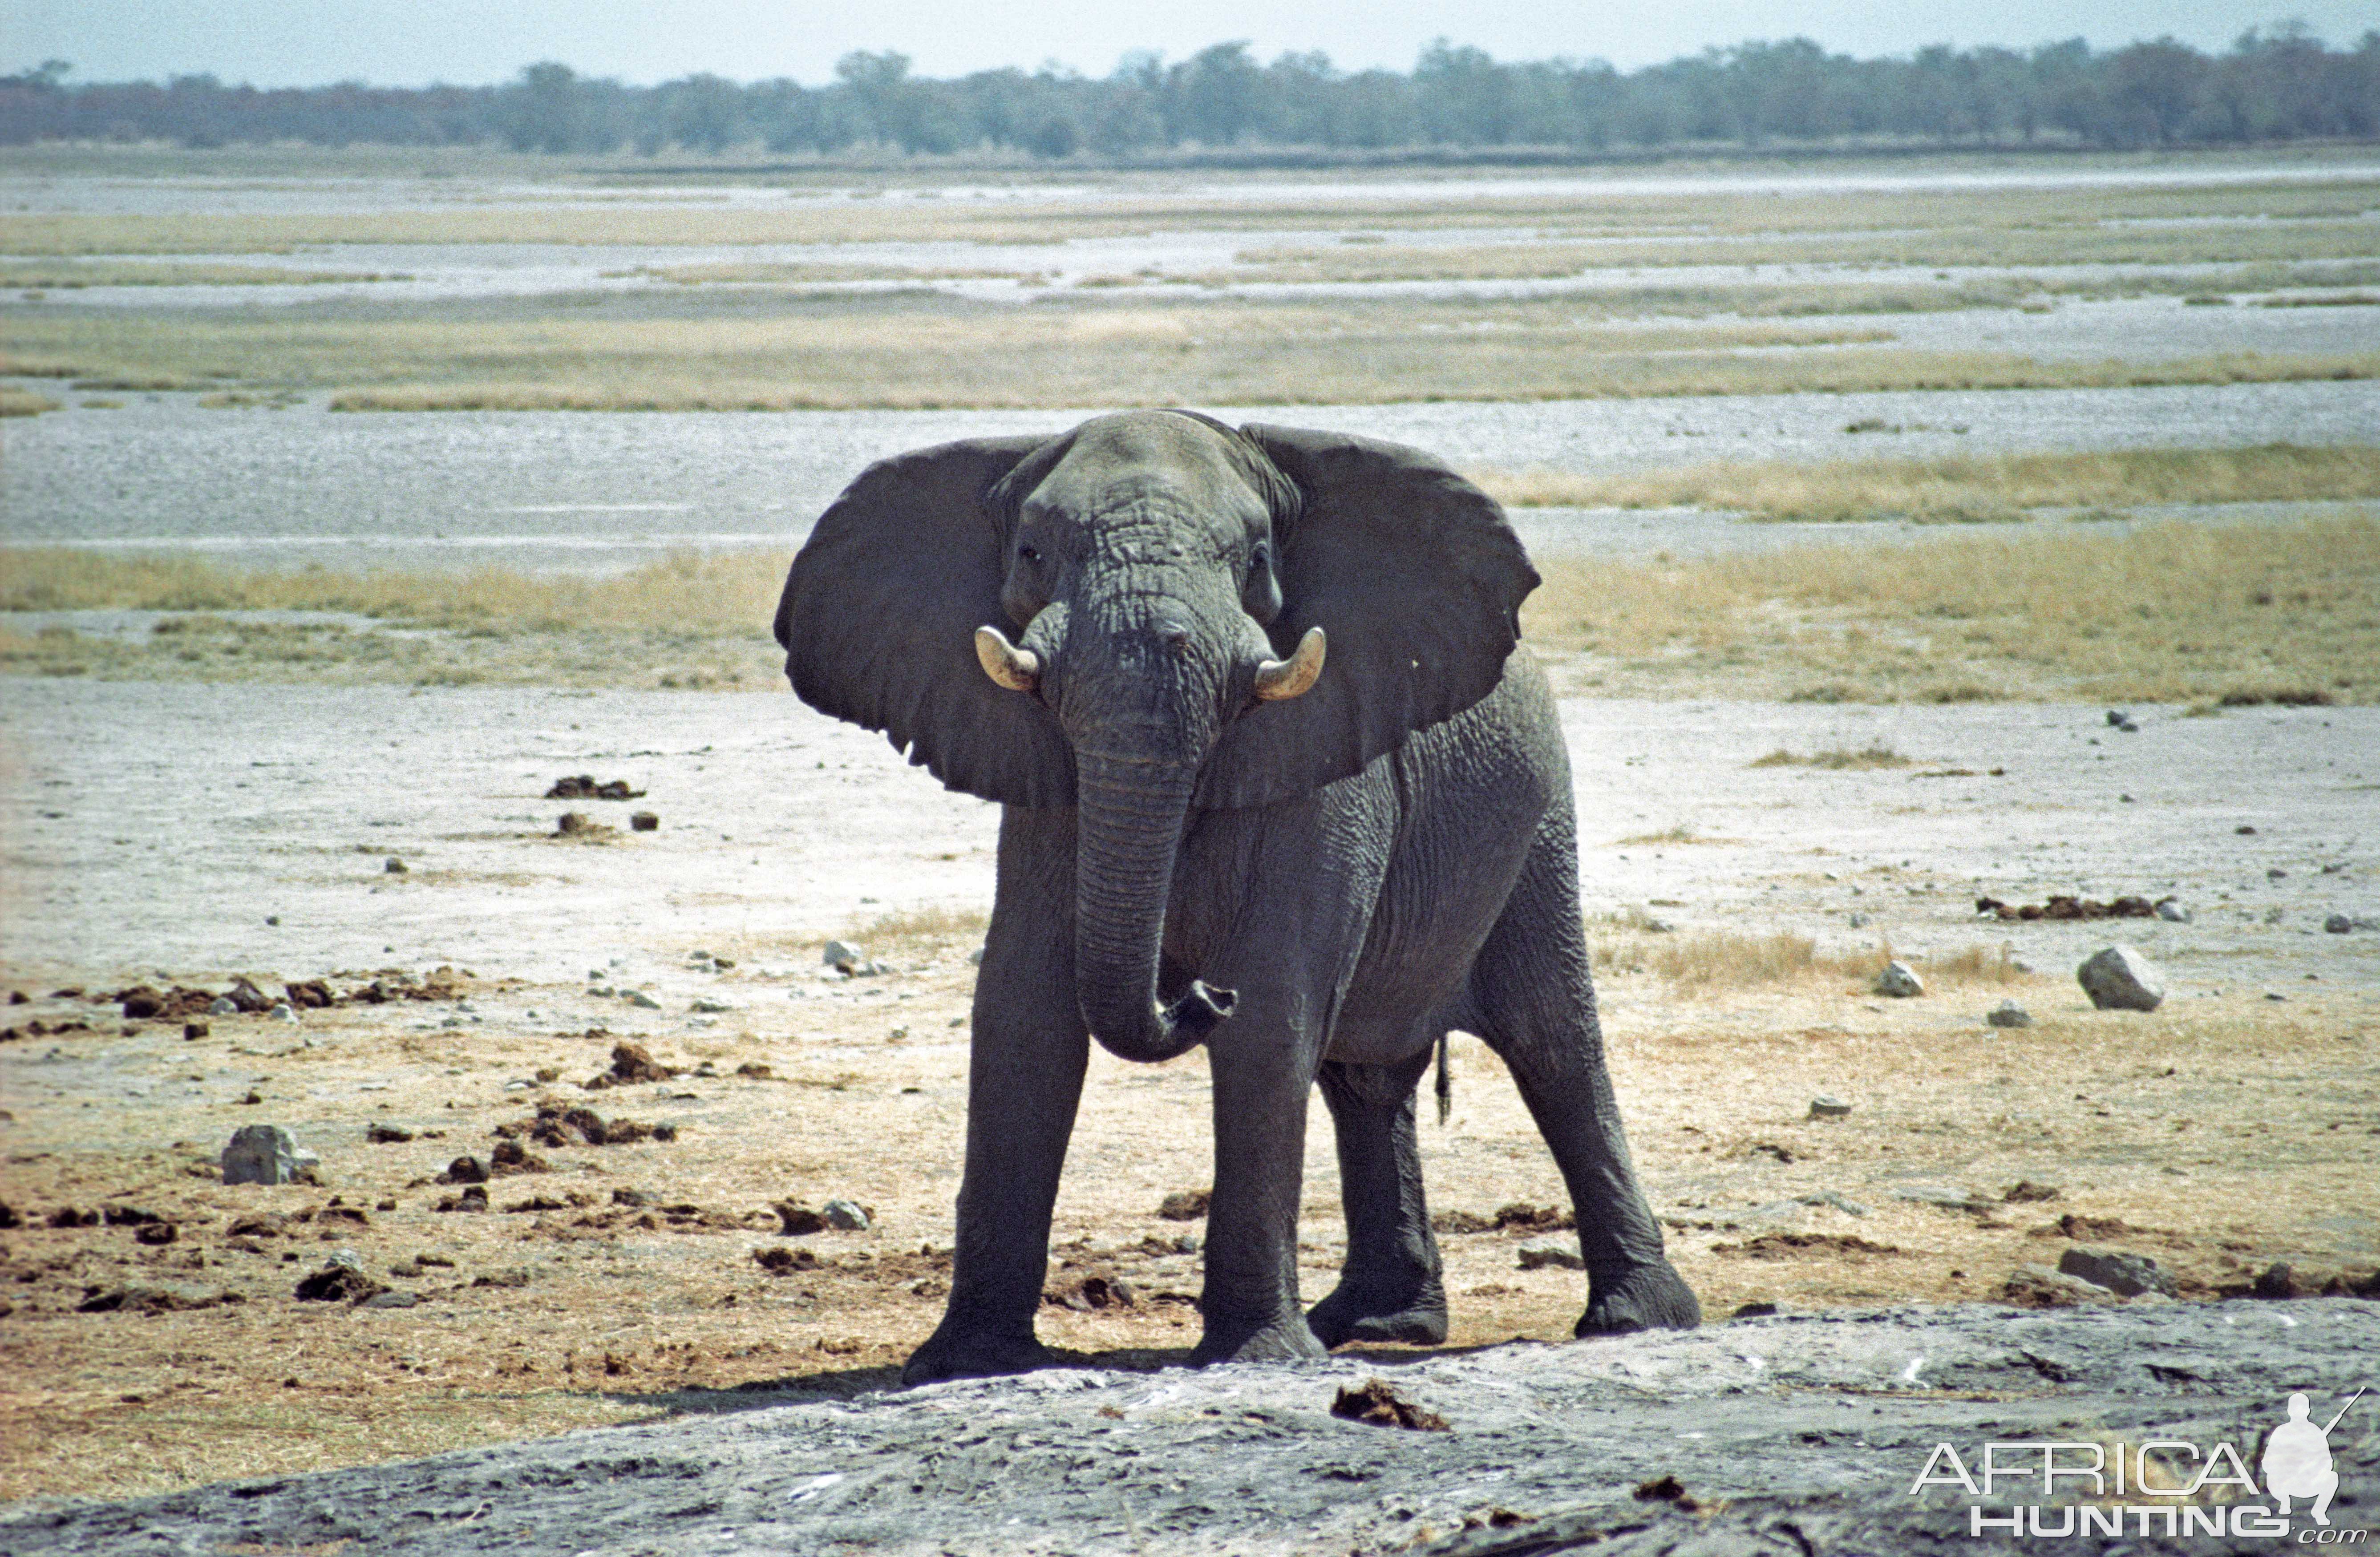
(879, 619)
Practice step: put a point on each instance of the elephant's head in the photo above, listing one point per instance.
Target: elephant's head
(1150, 615)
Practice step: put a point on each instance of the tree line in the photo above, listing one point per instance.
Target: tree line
(2270, 85)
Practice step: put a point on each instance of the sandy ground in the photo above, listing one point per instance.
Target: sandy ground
(155, 834)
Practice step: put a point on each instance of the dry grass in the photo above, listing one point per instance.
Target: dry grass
(918, 351)
(73, 274)
(620, 1321)
(24, 403)
(1716, 961)
(1964, 489)
(2176, 613)
(1866, 759)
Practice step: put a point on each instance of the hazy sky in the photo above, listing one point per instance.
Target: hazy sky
(406, 42)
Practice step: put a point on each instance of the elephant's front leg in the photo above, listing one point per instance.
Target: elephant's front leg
(1262, 1074)
(1024, 1077)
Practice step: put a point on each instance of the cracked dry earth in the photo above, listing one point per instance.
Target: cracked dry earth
(1789, 1435)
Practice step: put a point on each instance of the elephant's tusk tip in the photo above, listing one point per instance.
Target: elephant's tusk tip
(1278, 680)
(1019, 670)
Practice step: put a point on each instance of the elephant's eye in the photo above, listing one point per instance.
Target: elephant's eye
(1028, 554)
(1259, 558)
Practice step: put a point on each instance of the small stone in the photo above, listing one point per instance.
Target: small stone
(465, 1170)
(193, 1031)
(2119, 979)
(846, 1216)
(1940, 1194)
(1899, 980)
(393, 865)
(2338, 924)
(260, 1154)
(281, 1012)
(2118, 1271)
(341, 1280)
(710, 1007)
(1561, 1253)
(644, 821)
(976, 956)
(223, 1005)
(392, 1299)
(384, 1134)
(843, 957)
(2008, 1014)
(2170, 910)
(1827, 1106)
(639, 999)
(2119, 718)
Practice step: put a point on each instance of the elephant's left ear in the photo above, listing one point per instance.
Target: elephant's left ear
(1415, 579)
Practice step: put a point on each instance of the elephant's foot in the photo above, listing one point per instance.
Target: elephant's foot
(1284, 1340)
(1353, 1313)
(945, 1355)
(1648, 1296)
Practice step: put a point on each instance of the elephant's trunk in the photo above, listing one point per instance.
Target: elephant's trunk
(1129, 818)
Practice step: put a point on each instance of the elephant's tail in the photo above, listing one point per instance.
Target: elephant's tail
(1445, 1077)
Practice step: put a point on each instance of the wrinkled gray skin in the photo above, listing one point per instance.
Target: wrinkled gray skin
(1316, 888)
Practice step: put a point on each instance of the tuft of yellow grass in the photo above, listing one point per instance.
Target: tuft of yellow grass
(1989, 488)
(1876, 754)
(24, 403)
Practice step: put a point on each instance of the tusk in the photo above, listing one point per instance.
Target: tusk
(1019, 670)
(1279, 679)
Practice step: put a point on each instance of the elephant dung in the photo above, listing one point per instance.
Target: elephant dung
(2119, 979)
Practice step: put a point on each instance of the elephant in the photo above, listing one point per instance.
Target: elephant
(1277, 778)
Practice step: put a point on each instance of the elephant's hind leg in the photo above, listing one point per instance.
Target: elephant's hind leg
(1536, 1004)
(1390, 1288)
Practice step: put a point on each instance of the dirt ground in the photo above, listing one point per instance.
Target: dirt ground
(168, 836)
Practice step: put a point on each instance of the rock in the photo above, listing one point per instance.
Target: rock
(2038, 1286)
(2338, 924)
(473, 1198)
(976, 956)
(393, 865)
(645, 821)
(710, 1007)
(1827, 1106)
(392, 1299)
(639, 999)
(2118, 1271)
(846, 1216)
(1561, 1253)
(465, 1170)
(1834, 1198)
(798, 1220)
(1185, 1205)
(386, 1134)
(843, 957)
(2119, 979)
(1940, 1194)
(2170, 910)
(261, 1154)
(2008, 1014)
(193, 1031)
(223, 1005)
(281, 1012)
(1899, 980)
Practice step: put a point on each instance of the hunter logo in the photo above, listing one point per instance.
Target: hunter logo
(2160, 1486)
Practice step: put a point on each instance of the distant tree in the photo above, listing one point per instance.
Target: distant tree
(1216, 97)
